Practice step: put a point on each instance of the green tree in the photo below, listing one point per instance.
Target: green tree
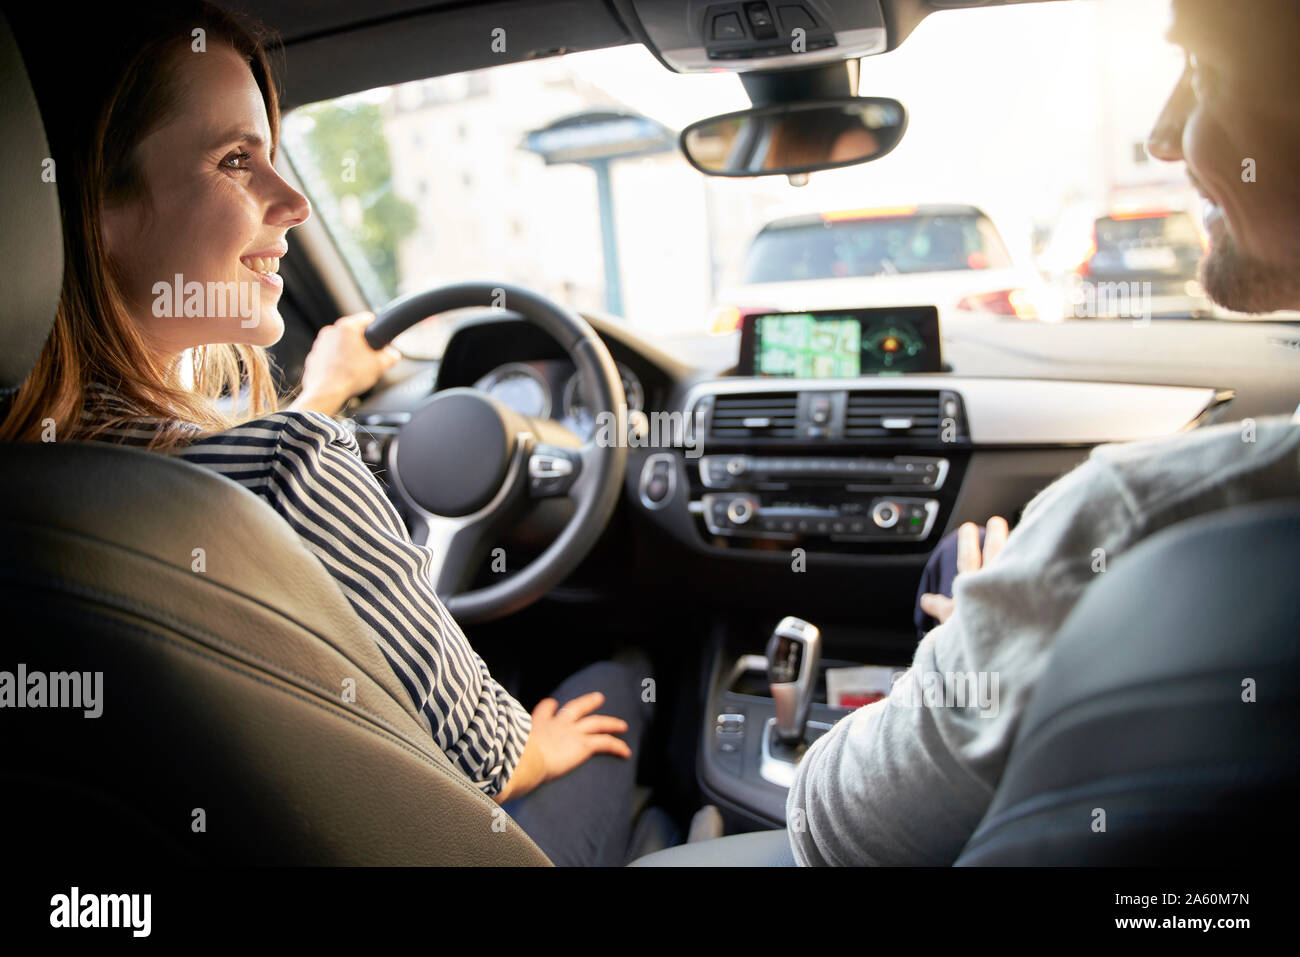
(351, 154)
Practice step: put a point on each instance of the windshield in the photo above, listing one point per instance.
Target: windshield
(563, 175)
(829, 249)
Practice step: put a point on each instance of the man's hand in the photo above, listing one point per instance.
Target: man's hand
(561, 739)
(969, 559)
(342, 364)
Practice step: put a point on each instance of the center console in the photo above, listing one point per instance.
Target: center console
(764, 712)
(831, 499)
(856, 471)
(818, 479)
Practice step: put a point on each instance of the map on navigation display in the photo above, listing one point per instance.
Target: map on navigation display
(805, 346)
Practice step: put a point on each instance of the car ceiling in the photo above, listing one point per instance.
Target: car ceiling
(335, 47)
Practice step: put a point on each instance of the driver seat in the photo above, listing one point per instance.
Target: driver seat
(247, 713)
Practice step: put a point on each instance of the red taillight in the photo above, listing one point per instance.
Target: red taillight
(1003, 302)
(840, 215)
(1085, 264)
(1138, 212)
(728, 318)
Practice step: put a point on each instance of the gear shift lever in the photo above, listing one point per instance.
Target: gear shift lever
(793, 653)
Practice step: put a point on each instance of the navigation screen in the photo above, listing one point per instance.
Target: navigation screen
(808, 347)
(841, 344)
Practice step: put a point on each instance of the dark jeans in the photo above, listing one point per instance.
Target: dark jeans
(585, 817)
(937, 578)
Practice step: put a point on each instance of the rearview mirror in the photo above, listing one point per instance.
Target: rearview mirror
(799, 137)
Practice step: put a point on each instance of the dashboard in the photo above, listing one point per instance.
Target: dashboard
(857, 477)
(552, 388)
(518, 364)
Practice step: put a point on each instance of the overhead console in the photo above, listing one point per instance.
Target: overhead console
(705, 35)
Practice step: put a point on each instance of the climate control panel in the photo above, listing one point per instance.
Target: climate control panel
(900, 471)
(837, 503)
(856, 519)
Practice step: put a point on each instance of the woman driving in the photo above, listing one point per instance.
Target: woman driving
(174, 222)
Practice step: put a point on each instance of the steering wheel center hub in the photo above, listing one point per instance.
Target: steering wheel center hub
(454, 452)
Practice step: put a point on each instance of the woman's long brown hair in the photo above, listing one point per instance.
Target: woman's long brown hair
(131, 90)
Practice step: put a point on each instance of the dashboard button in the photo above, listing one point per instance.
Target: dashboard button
(740, 510)
(885, 514)
(372, 451)
(794, 16)
(657, 488)
(727, 26)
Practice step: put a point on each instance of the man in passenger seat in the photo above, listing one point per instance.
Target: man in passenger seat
(908, 785)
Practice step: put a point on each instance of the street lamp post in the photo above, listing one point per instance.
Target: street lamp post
(595, 139)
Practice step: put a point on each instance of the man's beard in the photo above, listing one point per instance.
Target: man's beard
(1243, 283)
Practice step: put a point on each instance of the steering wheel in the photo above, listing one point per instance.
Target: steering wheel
(469, 466)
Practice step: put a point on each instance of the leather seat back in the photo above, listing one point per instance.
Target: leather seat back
(242, 688)
(1166, 726)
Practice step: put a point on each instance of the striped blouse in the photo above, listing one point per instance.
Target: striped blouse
(309, 469)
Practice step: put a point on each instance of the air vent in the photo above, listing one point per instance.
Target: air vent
(901, 414)
(754, 415)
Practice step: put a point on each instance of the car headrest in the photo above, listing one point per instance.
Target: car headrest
(31, 244)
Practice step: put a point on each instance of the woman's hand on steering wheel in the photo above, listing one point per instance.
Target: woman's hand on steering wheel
(342, 364)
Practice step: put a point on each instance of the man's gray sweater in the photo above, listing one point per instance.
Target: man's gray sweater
(905, 780)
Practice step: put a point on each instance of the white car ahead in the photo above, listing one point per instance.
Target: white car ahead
(949, 256)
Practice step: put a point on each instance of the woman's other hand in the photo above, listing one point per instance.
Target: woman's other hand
(342, 364)
(563, 738)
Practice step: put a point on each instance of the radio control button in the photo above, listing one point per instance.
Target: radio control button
(885, 514)
(740, 510)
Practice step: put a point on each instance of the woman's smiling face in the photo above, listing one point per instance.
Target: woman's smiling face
(216, 214)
